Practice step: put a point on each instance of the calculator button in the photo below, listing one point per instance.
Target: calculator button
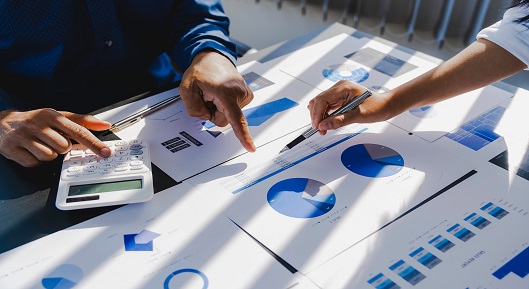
(89, 172)
(73, 174)
(104, 166)
(75, 162)
(76, 153)
(73, 169)
(121, 164)
(121, 159)
(88, 152)
(139, 157)
(135, 141)
(136, 163)
(106, 160)
(136, 168)
(90, 161)
(136, 152)
(121, 148)
(90, 156)
(121, 143)
(90, 168)
(121, 169)
(120, 153)
(136, 147)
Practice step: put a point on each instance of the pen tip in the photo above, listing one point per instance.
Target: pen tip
(284, 149)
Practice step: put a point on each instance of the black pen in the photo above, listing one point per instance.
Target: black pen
(311, 131)
(134, 118)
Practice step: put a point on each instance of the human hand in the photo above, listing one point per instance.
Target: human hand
(375, 108)
(31, 137)
(212, 89)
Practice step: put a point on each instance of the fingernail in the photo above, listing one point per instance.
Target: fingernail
(105, 152)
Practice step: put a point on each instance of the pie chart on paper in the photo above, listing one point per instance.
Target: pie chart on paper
(301, 198)
(372, 160)
(423, 112)
(65, 276)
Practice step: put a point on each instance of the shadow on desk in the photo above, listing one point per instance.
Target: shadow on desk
(27, 202)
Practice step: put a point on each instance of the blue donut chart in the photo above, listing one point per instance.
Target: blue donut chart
(345, 72)
(301, 198)
(186, 270)
(372, 160)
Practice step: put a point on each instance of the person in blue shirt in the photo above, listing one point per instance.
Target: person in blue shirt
(60, 60)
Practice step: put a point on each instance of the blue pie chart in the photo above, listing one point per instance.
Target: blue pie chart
(301, 198)
(372, 160)
(345, 72)
(423, 112)
(65, 276)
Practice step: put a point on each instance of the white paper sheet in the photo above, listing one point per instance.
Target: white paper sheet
(380, 67)
(494, 255)
(183, 146)
(307, 206)
(433, 121)
(373, 64)
(176, 237)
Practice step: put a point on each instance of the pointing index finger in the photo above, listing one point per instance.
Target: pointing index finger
(83, 136)
(239, 125)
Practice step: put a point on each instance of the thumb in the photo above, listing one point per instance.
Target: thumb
(88, 121)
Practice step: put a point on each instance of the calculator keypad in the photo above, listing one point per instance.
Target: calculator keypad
(127, 157)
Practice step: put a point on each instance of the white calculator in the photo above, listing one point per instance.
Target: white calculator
(88, 180)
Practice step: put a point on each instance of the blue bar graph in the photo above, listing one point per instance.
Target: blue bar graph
(519, 265)
(382, 282)
(477, 221)
(441, 243)
(426, 258)
(259, 114)
(407, 272)
(461, 232)
(495, 211)
(478, 132)
(256, 81)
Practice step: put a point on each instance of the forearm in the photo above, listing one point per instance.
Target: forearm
(200, 25)
(480, 64)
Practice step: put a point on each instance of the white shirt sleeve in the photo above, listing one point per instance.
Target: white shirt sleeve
(512, 36)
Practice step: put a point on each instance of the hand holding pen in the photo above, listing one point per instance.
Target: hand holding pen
(353, 103)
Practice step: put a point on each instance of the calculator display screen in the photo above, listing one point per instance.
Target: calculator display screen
(104, 187)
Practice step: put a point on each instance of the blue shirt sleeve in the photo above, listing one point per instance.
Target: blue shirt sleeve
(212, 32)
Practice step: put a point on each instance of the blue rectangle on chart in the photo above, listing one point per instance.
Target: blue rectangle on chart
(461, 233)
(426, 258)
(477, 221)
(441, 243)
(382, 282)
(407, 272)
(495, 211)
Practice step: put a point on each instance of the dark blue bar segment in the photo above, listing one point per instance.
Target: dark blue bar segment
(441, 243)
(461, 232)
(407, 272)
(382, 282)
(426, 258)
(477, 221)
(495, 211)
(518, 265)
